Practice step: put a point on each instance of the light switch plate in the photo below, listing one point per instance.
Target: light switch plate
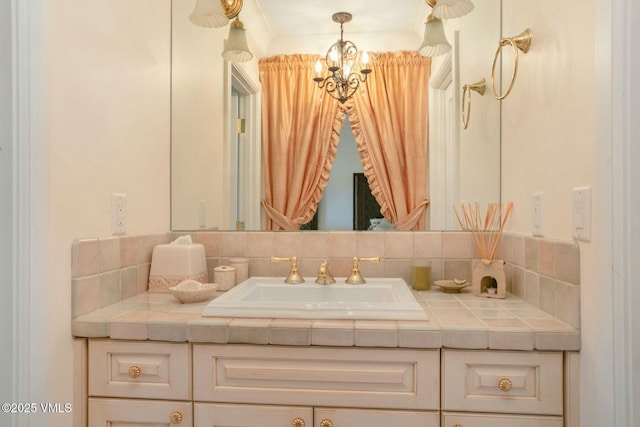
(581, 206)
(537, 205)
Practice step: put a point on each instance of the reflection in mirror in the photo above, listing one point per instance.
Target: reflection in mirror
(216, 172)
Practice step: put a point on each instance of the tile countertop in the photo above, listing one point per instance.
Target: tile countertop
(455, 321)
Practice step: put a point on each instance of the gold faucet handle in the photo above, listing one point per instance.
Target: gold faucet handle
(355, 278)
(294, 276)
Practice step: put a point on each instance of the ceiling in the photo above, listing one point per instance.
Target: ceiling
(314, 17)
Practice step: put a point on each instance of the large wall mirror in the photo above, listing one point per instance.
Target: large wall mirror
(215, 159)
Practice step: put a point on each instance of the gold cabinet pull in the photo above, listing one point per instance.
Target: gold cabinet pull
(457, 425)
(175, 417)
(135, 372)
(297, 422)
(326, 423)
(505, 384)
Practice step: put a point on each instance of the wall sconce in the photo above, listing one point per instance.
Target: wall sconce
(236, 48)
(448, 9)
(216, 14)
(209, 14)
(521, 42)
(435, 42)
(479, 87)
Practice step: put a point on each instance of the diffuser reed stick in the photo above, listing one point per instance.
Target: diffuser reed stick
(486, 231)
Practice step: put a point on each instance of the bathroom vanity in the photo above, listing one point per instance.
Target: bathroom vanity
(473, 363)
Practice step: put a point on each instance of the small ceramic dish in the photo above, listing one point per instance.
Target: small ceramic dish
(189, 291)
(452, 286)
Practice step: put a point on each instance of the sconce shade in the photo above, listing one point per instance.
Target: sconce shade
(435, 42)
(209, 13)
(447, 9)
(236, 48)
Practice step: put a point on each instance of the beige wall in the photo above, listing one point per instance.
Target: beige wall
(549, 140)
(107, 118)
(548, 120)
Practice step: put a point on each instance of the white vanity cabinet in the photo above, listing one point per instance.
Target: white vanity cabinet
(156, 374)
(502, 388)
(143, 383)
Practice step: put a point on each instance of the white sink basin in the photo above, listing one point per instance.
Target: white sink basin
(379, 298)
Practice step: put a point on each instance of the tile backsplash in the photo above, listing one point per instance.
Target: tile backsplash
(542, 271)
(107, 270)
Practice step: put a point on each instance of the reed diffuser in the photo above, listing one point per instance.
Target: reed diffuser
(488, 278)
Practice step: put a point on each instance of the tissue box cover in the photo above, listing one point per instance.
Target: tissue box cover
(174, 263)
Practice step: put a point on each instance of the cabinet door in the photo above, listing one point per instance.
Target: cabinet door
(342, 417)
(233, 415)
(494, 420)
(143, 413)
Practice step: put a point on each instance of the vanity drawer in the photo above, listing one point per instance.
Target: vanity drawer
(496, 420)
(143, 413)
(497, 381)
(344, 417)
(141, 369)
(239, 415)
(366, 378)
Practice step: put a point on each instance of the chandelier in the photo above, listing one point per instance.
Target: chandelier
(347, 69)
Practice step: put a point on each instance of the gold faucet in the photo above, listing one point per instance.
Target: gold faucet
(324, 276)
(294, 276)
(355, 278)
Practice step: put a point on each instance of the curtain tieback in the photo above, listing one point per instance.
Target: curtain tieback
(409, 222)
(281, 220)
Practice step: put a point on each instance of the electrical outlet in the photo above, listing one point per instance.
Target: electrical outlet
(537, 205)
(119, 213)
(581, 203)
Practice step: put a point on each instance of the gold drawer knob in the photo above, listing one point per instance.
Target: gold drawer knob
(505, 385)
(175, 417)
(326, 423)
(457, 425)
(297, 422)
(135, 372)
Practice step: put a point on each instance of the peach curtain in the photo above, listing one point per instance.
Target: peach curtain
(300, 134)
(389, 119)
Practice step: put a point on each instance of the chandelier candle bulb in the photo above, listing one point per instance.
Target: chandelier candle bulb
(365, 58)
